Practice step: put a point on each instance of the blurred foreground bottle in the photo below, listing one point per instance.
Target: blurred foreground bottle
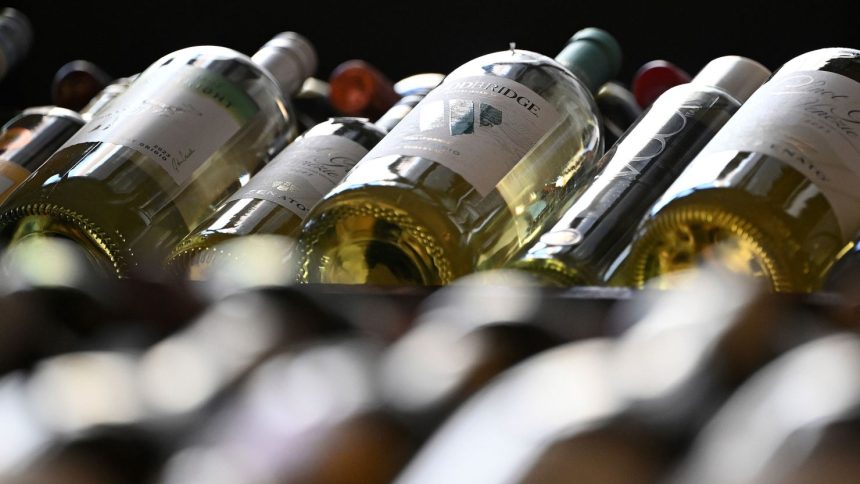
(139, 177)
(795, 421)
(586, 245)
(475, 171)
(277, 199)
(615, 411)
(359, 89)
(774, 193)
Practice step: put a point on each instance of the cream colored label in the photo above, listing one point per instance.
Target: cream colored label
(11, 175)
(478, 127)
(178, 117)
(811, 121)
(304, 172)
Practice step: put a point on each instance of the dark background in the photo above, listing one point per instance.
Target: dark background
(408, 37)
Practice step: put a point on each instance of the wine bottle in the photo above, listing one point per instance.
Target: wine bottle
(654, 78)
(28, 139)
(619, 110)
(474, 172)
(164, 154)
(16, 37)
(277, 199)
(76, 83)
(312, 103)
(593, 235)
(105, 96)
(360, 89)
(774, 192)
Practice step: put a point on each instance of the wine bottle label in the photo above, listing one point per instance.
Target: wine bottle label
(178, 117)
(304, 172)
(478, 127)
(811, 121)
(11, 175)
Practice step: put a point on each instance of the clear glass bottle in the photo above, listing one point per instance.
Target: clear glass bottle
(278, 198)
(585, 246)
(105, 96)
(160, 158)
(774, 194)
(475, 171)
(28, 139)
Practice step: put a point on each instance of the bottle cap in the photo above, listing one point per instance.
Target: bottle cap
(737, 76)
(359, 89)
(290, 58)
(654, 78)
(593, 55)
(76, 82)
(16, 36)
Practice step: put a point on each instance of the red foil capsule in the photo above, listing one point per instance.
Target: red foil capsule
(654, 78)
(359, 89)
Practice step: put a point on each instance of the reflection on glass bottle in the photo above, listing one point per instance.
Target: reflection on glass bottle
(164, 154)
(774, 193)
(478, 169)
(592, 237)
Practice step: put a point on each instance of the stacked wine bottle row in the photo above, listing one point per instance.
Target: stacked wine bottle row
(513, 159)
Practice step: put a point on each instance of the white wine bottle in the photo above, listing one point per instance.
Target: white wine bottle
(584, 247)
(161, 157)
(473, 173)
(28, 139)
(774, 194)
(278, 198)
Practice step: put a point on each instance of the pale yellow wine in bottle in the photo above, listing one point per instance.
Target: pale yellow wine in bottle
(473, 173)
(161, 156)
(776, 193)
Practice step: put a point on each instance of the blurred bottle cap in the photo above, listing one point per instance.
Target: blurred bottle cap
(359, 89)
(593, 55)
(76, 82)
(16, 37)
(737, 76)
(654, 78)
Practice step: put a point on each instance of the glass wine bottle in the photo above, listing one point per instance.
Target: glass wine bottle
(164, 154)
(595, 233)
(277, 199)
(774, 194)
(473, 173)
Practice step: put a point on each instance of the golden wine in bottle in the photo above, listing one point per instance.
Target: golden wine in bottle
(277, 199)
(472, 174)
(585, 246)
(774, 194)
(162, 156)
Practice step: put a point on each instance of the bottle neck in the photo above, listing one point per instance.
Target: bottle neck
(404, 106)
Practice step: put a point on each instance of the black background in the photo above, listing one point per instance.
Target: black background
(408, 37)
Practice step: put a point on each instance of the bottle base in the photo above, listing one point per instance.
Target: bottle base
(357, 243)
(683, 238)
(47, 220)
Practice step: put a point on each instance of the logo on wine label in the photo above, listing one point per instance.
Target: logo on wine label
(284, 186)
(480, 127)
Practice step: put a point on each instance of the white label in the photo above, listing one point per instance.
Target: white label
(478, 127)
(304, 172)
(178, 117)
(811, 121)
